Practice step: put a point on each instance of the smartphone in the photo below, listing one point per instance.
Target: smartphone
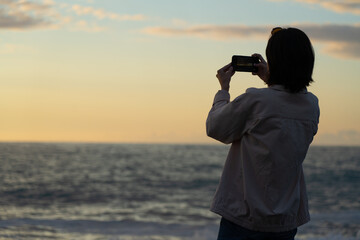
(244, 63)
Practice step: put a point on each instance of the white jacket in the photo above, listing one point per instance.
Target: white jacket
(262, 187)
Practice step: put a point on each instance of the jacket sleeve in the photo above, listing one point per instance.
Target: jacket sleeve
(317, 115)
(226, 121)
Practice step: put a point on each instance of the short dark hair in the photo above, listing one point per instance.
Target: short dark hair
(290, 57)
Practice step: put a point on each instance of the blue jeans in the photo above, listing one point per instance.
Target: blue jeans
(232, 231)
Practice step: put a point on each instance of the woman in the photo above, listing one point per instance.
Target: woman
(262, 193)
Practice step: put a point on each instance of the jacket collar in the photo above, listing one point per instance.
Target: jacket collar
(279, 87)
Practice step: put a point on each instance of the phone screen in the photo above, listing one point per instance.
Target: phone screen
(244, 63)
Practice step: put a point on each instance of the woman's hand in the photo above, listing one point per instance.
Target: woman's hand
(224, 75)
(263, 70)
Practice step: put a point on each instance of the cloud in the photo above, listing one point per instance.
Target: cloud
(343, 50)
(343, 6)
(102, 14)
(84, 26)
(29, 15)
(341, 138)
(338, 40)
(24, 14)
(214, 32)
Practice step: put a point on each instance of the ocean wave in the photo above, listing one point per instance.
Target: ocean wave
(131, 192)
(129, 230)
(125, 227)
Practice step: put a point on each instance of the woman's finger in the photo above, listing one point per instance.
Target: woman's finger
(259, 56)
(225, 68)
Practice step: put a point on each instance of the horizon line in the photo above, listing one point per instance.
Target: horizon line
(153, 143)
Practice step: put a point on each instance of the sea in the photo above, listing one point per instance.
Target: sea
(89, 191)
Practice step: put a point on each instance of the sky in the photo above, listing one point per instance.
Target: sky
(139, 71)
